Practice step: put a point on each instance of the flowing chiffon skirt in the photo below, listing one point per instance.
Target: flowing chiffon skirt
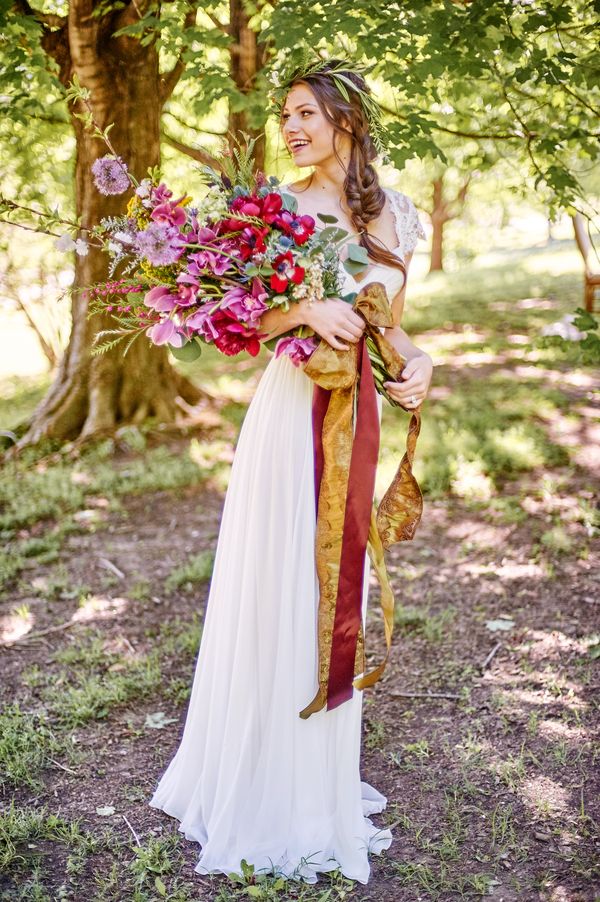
(251, 779)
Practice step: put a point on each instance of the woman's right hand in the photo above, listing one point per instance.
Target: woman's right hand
(334, 320)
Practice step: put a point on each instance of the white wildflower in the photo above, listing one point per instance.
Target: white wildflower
(64, 243)
(123, 237)
(81, 247)
(143, 189)
(565, 328)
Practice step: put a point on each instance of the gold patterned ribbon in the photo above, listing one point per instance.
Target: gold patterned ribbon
(346, 437)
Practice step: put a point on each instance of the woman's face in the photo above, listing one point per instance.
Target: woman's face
(307, 133)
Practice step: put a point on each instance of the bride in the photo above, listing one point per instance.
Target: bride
(251, 779)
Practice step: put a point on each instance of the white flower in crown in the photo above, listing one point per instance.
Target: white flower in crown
(274, 78)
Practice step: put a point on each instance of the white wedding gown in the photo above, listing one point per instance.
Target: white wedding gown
(251, 779)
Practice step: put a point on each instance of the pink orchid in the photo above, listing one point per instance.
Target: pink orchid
(248, 307)
(161, 299)
(169, 213)
(297, 349)
(166, 333)
(161, 193)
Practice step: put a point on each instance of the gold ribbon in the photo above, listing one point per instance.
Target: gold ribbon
(399, 512)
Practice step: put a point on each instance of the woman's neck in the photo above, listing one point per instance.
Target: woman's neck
(327, 179)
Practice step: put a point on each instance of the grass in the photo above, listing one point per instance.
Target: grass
(27, 746)
(197, 569)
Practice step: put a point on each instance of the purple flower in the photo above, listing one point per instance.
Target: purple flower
(160, 299)
(160, 193)
(110, 175)
(166, 333)
(248, 307)
(201, 321)
(169, 213)
(160, 244)
(297, 349)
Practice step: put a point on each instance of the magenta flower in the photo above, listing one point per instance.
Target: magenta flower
(229, 335)
(161, 299)
(297, 349)
(169, 214)
(160, 193)
(161, 244)
(187, 290)
(166, 333)
(110, 175)
(201, 322)
(248, 307)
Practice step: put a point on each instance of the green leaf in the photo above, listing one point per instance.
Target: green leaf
(326, 217)
(330, 233)
(358, 253)
(353, 267)
(189, 352)
(289, 202)
(161, 889)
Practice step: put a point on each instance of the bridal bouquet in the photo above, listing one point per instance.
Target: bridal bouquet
(193, 273)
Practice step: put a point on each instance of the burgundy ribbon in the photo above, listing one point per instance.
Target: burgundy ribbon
(357, 516)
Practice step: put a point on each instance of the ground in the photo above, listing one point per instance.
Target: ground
(481, 734)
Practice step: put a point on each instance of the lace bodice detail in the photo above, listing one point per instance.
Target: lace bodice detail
(408, 225)
(408, 230)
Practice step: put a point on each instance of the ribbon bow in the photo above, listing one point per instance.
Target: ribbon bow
(346, 449)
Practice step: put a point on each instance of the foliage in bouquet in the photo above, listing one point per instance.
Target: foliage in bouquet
(192, 273)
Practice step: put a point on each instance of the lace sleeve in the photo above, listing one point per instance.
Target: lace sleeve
(408, 225)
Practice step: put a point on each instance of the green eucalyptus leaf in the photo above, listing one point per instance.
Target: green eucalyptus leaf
(357, 253)
(353, 267)
(333, 234)
(189, 352)
(289, 202)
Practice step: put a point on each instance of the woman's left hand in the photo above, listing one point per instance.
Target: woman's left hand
(416, 378)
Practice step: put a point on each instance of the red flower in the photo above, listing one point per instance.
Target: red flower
(300, 228)
(285, 271)
(266, 208)
(247, 205)
(232, 337)
(252, 240)
(271, 205)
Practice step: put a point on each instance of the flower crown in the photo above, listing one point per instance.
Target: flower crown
(338, 71)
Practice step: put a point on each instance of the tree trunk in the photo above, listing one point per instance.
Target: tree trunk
(442, 211)
(94, 394)
(439, 218)
(247, 58)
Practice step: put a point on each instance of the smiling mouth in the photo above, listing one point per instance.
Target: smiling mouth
(298, 145)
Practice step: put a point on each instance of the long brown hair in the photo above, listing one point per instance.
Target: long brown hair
(364, 195)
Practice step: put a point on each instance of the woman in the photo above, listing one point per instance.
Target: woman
(251, 779)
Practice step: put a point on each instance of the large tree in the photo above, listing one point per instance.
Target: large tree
(114, 50)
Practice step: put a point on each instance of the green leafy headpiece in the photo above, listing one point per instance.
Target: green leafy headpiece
(312, 66)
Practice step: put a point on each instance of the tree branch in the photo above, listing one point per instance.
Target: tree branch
(202, 156)
(203, 131)
(452, 131)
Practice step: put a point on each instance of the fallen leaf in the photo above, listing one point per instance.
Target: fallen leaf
(502, 624)
(158, 720)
